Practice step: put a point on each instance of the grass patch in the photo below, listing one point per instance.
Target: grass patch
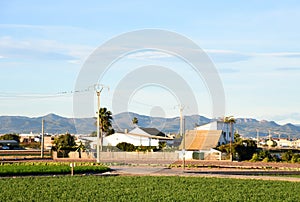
(31, 168)
(120, 188)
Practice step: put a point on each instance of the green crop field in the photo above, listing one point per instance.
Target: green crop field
(146, 188)
(33, 168)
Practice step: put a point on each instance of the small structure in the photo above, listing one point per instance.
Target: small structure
(219, 125)
(296, 143)
(8, 144)
(29, 137)
(201, 143)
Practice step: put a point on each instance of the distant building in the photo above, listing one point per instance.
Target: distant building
(203, 139)
(29, 137)
(147, 131)
(8, 144)
(144, 139)
(219, 125)
(283, 142)
(153, 132)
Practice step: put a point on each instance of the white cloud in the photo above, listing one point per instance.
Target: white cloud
(252, 54)
(42, 49)
(149, 55)
(278, 54)
(220, 51)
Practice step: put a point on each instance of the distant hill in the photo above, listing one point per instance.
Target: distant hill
(248, 127)
(167, 125)
(57, 124)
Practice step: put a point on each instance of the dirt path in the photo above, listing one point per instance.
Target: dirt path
(198, 168)
(162, 171)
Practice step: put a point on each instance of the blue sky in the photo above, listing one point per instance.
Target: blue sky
(254, 45)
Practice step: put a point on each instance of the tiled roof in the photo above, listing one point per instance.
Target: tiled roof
(201, 139)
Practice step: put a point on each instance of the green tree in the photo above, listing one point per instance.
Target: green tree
(12, 136)
(245, 149)
(237, 137)
(162, 145)
(230, 120)
(135, 121)
(264, 156)
(287, 156)
(106, 122)
(295, 158)
(63, 144)
(124, 146)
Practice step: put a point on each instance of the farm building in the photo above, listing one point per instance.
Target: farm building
(203, 139)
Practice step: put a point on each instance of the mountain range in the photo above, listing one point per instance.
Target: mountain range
(56, 124)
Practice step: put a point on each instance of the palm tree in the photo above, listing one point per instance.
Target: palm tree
(230, 120)
(106, 129)
(135, 121)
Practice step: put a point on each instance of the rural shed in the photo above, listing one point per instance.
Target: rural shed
(202, 142)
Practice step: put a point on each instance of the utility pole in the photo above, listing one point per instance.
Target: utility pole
(182, 135)
(184, 145)
(181, 120)
(99, 88)
(98, 129)
(42, 140)
(257, 136)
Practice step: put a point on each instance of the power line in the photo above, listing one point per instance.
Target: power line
(6, 95)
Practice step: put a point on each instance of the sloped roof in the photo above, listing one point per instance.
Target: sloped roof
(196, 140)
(94, 139)
(8, 142)
(153, 131)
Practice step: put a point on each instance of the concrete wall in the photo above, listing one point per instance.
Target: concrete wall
(139, 156)
(124, 156)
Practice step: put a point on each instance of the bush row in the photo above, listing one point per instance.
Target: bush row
(266, 156)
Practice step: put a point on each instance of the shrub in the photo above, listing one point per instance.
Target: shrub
(295, 158)
(287, 156)
(254, 158)
(124, 146)
(266, 159)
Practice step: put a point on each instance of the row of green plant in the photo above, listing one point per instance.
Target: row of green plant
(145, 188)
(246, 149)
(22, 169)
(266, 156)
(128, 147)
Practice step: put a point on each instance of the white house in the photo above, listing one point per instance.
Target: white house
(283, 142)
(132, 138)
(153, 132)
(219, 125)
(147, 131)
(135, 139)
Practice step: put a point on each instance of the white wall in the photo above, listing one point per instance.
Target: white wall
(116, 138)
(218, 125)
